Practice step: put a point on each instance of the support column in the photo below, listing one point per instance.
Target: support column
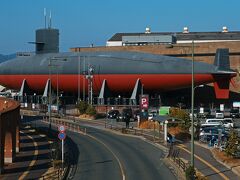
(165, 131)
(104, 93)
(17, 139)
(1, 149)
(8, 151)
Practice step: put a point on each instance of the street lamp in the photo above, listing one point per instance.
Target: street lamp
(50, 65)
(192, 104)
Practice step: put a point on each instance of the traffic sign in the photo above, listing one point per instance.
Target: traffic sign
(144, 101)
(61, 135)
(61, 128)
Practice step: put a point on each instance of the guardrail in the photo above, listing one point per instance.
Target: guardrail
(174, 155)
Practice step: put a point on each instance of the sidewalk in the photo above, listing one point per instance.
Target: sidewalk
(33, 159)
(234, 168)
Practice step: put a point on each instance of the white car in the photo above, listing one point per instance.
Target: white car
(228, 123)
(150, 116)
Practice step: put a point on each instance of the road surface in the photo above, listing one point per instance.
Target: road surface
(105, 155)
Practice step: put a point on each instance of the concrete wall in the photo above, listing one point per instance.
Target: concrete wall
(9, 131)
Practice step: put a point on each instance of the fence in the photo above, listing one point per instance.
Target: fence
(174, 155)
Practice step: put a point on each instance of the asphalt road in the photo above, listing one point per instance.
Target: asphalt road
(98, 157)
(140, 159)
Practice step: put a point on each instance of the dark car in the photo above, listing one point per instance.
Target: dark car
(136, 114)
(234, 113)
(126, 114)
(113, 114)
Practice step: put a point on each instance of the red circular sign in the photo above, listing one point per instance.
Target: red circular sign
(61, 128)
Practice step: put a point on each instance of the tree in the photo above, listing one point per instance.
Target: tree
(182, 115)
(91, 110)
(82, 107)
(232, 143)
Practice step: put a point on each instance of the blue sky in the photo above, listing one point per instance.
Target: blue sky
(83, 22)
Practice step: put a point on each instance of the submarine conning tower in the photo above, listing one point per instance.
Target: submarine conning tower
(47, 41)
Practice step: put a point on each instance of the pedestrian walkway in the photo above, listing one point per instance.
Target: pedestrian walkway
(33, 160)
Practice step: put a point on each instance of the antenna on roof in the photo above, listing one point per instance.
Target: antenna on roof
(45, 18)
(50, 19)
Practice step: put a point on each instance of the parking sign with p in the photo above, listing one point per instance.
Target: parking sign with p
(144, 101)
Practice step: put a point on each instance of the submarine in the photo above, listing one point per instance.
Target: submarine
(119, 70)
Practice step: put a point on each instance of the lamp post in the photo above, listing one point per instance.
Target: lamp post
(79, 83)
(50, 95)
(192, 107)
(50, 86)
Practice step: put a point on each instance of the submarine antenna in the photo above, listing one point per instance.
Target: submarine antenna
(45, 18)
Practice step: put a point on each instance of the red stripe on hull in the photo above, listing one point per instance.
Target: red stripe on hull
(116, 82)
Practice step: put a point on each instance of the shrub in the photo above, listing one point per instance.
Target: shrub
(91, 110)
(82, 107)
(190, 173)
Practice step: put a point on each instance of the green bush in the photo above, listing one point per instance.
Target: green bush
(82, 107)
(190, 173)
(91, 110)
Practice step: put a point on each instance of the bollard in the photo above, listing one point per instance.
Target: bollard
(154, 132)
(85, 131)
(159, 132)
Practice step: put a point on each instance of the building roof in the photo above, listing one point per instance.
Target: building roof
(231, 35)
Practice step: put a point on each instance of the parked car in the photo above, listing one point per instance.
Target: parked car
(126, 113)
(214, 121)
(112, 114)
(228, 123)
(151, 115)
(211, 133)
(217, 124)
(136, 114)
(219, 115)
(234, 113)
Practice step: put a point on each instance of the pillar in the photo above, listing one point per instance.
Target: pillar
(165, 131)
(8, 151)
(17, 139)
(1, 149)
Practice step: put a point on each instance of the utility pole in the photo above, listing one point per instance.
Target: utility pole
(192, 109)
(50, 95)
(84, 79)
(79, 82)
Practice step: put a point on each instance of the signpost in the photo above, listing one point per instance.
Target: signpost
(61, 128)
(164, 110)
(62, 136)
